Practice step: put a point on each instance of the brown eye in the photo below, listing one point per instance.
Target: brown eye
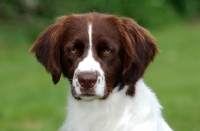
(107, 52)
(73, 51)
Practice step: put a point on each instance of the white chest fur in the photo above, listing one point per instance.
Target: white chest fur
(117, 113)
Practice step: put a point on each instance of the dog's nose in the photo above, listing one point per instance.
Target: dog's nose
(87, 79)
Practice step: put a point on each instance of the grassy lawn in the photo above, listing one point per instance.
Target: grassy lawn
(30, 102)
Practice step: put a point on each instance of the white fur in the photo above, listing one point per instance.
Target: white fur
(118, 112)
(89, 64)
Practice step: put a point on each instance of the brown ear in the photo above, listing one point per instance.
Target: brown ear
(140, 50)
(46, 48)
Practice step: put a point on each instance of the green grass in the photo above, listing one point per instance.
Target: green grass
(175, 75)
(28, 99)
(30, 102)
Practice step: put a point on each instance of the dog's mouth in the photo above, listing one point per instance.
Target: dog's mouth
(87, 94)
(90, 96)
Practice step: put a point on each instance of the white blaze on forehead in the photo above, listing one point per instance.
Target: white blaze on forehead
(90, 64)
(90, 34)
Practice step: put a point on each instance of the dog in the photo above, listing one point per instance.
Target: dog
(104, 58)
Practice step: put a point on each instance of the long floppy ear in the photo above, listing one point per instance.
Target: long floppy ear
(140, 50)
(46, 48)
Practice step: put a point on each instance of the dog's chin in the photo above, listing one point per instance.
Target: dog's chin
(90, 97)
(87, 97)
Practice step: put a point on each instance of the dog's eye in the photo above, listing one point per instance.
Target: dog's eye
(73, 51)
(107, 52)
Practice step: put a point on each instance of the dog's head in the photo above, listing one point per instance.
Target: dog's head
(96, 52)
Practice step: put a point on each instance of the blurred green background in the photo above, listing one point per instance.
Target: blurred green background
(30, 102)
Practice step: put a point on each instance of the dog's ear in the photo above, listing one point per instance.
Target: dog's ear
(47, 48)
(140, 50)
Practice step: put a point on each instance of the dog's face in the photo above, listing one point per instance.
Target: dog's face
(91, 58)
(96, 53)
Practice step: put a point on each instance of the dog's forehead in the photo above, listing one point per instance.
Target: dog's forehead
(102, 25)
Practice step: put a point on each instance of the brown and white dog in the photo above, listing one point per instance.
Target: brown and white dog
(104, 58)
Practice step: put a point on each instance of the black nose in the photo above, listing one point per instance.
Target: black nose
(87, 79)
